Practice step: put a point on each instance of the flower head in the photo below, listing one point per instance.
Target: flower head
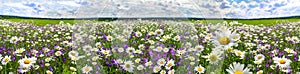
(199, 69)
(237, 68)
(86, 69)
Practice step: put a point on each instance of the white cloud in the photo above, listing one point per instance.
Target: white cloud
(152, 8)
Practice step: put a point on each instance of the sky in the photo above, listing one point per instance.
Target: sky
(245, 9)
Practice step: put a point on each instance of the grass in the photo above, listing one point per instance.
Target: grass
(266, 22)
(42, 22)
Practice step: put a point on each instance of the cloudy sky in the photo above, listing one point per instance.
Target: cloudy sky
(151, 8)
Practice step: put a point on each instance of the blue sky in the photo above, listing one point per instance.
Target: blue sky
(151, 8)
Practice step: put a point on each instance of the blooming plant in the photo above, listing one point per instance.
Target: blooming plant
(144, 46)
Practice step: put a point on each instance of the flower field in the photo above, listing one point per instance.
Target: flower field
(149, 47)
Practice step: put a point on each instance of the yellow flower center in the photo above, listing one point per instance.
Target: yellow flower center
(127, 65)
(6, 60)
(27, 61)
(199, 49)
(109, 39)
(281, 61)
(130, 51)
(73, 53)
(24, 68)
(170, 65)
(49, 72)
(161, 62)
(238, 72)
(224, 40)
(235, 37)
(86, 69)
(158, 32)
(157, 69)
(199, 69)
(259, 57)
(239, 53)
(229, 49)
(213, 57)
(14, 40)
(177, 38)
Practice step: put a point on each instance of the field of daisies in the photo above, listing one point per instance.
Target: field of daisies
(149, 47)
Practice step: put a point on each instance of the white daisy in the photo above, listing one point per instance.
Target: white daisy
(161, 62)
(140, 67)
(138, 60)
(158, 49)
(27, 62)
(199, 48)
(14, 39)
(295, 39)
(58, 53)
(163, 72)
(128, 66)
(288, 39)
(87, 48)
(138, 34)
(166, 50)
(224, 37)
(260, 72)
(98, 44)
(109, 38)
(148, 63)
(199, 69)
(259, 57)
(239, 53)
(288, 50)
(267, 46)
(105, 52)
(73, 69)
(151, 42)
(66, 43)
(130, 50)
(126, 32)
(49, 72)
(141, 46)
(73, 53)
(151, 33)
(95, 49)
(21, 50)
(171, 71)
(282, 62)
(48, 59)
(23, 69)
(21, 38)
(237, 68)
(120, 50)
(159, 32)
(169, 64)
(176, 38)
(285, 69)
(57, 48)
(213, 58)
(5, 60)
(156, 69)
(86, 69)
(180, 52)
(230, 49)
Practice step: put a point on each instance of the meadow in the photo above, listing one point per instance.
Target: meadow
(147, 47)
